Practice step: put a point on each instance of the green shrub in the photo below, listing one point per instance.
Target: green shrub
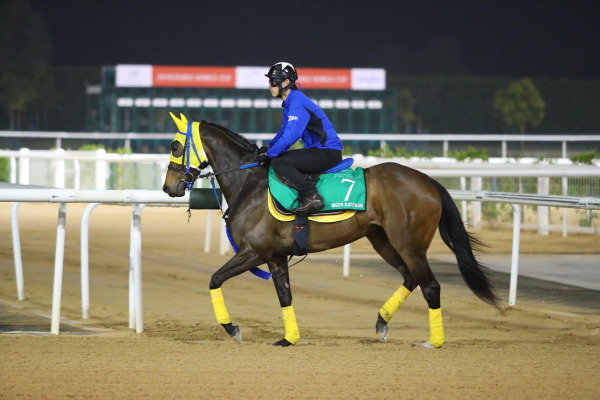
(91, 147)
(4, 169)
(399, 152)
(584, 158)
(469, 154)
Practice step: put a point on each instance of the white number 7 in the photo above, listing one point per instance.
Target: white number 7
(349, 190)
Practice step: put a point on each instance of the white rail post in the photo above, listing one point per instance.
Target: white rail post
(77, 177)
(59, 168)
(224, 241)
(23, 166)
(131, 276)
(463, 204)
(514, 266)
(101, 167)
(58, 268)
(13, 170)
(85, 261)
(346, 265)
(565, 192)
(17, 251)
(476, 184)
(208, 231)
(542, 211)
(137, 266)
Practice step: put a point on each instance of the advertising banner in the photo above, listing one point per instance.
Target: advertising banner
(216, 77)
(246, 77)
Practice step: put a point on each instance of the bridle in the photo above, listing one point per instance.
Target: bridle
(191, 173)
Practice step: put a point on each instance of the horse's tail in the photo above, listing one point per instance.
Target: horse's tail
(462, 244)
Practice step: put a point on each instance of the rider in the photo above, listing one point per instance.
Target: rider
(302, 119)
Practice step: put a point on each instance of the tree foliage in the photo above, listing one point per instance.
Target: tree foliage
(24, 52)
(520, 105)
(406, 109)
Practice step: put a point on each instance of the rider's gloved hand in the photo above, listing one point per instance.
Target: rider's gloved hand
(262, 150)
(262, 157)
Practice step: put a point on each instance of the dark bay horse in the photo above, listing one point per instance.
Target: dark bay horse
(404, 209)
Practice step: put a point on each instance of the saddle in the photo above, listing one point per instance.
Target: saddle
(343, 191)
(341, 187)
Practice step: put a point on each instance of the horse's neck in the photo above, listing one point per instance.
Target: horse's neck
(226, 154)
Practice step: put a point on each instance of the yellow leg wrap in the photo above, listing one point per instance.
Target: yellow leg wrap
(218, 303)
(292, 334)
(436, 327)
(392, 304)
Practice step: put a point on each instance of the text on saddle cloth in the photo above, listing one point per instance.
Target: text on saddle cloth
(344, 190)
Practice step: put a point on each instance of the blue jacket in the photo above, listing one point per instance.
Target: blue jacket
(303, 119)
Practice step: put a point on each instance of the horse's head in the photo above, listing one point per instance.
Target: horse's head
(187, 157)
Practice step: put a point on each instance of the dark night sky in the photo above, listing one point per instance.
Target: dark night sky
(486, 38)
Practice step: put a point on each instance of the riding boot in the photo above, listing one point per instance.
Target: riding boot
(311, 202)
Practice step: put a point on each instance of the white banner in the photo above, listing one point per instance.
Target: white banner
(134, 76)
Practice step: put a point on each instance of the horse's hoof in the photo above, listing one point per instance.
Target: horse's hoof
(382, 331)
(236, 334)
(283, 343)
(426, 345)
(381, 328)
(233, 331)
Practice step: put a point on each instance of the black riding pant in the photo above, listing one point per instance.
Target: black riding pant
(292, 164)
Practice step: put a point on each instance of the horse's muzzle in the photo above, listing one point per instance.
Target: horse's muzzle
(174, 193)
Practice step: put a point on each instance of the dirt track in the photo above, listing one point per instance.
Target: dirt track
(547, 347)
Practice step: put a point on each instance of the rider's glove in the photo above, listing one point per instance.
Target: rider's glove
(262, 157)
(262, 150)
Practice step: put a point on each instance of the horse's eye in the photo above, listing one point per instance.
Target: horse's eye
(176, 149)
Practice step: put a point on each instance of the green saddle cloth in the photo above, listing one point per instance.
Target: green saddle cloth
(344, 190)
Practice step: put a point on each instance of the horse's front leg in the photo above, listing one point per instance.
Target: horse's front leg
(281, 279)
(240, 263)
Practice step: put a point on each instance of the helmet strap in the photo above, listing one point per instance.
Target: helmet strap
(286, 87)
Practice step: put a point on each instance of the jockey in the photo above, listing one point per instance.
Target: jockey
(302, 119)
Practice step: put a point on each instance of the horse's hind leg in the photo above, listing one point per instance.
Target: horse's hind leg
(281, 279)
(382, 245)
(420, 270)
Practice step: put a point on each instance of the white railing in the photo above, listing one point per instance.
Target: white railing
(439, 167)
(383, 138)
(155, 166)
(140, 198)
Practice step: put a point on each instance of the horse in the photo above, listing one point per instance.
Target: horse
(404, 208)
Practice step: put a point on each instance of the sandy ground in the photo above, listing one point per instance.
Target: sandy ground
(547, 347)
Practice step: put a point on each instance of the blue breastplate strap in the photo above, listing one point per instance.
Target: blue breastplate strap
(255, 270)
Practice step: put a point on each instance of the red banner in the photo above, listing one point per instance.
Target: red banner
(216, 77)
(325, 78)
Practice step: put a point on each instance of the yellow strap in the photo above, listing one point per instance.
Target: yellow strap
(436, 327)
(218, 303)
(317, 218)
(392, 304)
(292, 334)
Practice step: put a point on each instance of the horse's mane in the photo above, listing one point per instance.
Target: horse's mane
(237, 138)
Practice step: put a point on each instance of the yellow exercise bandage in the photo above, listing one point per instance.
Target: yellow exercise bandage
(436, 327)
(292, 334)
(392, 304)
(218, 303)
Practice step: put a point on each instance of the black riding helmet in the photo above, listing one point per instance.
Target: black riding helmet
(281, 71)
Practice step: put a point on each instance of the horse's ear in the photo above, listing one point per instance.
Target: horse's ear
(181, 125)
(183, 118)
